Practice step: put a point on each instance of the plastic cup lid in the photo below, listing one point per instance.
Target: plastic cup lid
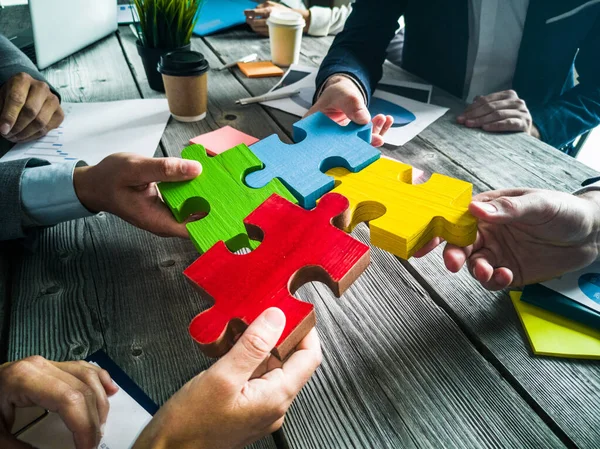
(183, 63)
(286, 18)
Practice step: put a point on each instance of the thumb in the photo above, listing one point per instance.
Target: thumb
(253, 347)
(527, 209)
(355, 109)
(168, 169)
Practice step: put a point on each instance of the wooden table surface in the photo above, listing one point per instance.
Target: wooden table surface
(413, 355)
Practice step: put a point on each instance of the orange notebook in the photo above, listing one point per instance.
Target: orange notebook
(259, 69)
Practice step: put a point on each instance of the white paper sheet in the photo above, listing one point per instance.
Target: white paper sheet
(92, 131)
(570, 285)
(126, 420)
(425, 113)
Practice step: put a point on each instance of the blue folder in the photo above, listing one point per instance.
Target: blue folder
(555, 302)
(217, 15)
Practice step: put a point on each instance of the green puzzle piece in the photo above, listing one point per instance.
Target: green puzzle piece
(220, 191)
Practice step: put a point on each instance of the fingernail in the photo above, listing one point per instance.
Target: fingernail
(4, 129)
(470, 122)
(102, 427)
(488, 207)
(274, 318)
(460, 118)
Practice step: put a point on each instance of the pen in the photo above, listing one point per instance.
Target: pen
(248, 58)
(267, 97)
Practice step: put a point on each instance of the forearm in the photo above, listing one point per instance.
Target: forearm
(360, 49)
(576, 111)
(13, 61)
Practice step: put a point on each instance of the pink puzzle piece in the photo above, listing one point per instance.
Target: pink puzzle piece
(222, 139)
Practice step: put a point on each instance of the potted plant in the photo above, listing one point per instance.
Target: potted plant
(164, 26)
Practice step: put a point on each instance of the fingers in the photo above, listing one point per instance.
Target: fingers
(49, 117)
(97, 379)
(455, 257)
(515, 124)
(35, 381)
(252, 348)
(389, 121)
(378, 123)
(342, 100)
(303, 362)
(142, 171)
(532, 209)
(498, 112)
(353, 105)
(15, 94)
(430, 246)
(493, 194)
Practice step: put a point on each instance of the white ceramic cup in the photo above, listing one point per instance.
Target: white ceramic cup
(285, 35)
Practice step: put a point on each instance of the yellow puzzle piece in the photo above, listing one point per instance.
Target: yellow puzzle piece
(403, 217)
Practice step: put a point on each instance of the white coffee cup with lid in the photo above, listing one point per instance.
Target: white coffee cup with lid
(285, 36)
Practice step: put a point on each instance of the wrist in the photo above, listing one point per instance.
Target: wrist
(305, 13)
(83, 189)
(533, 131)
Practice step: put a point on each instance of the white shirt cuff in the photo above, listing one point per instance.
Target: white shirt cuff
(48, 195)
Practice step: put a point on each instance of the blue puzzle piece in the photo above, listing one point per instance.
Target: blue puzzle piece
(321, 144)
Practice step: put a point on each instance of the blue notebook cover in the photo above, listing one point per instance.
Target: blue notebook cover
(217, 15)
(552, 301)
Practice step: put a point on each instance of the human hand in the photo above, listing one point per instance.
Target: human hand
(257, 17)
(498, 112)
(241, 398)
(342, 101)
(29, 109)
(77, 391)
(526, 236)
(124, 184)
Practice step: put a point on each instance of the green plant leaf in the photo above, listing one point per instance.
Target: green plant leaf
(167, 24)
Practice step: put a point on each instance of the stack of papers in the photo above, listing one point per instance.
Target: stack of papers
(92, 131)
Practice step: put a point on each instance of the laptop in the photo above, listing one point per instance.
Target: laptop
(60, 28)
(217, 15)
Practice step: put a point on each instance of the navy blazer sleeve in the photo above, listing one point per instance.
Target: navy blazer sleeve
(577, 110)
(360, 49)
(11, 219)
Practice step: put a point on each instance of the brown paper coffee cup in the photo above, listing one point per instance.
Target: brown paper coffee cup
(185, 76)
(187, 96)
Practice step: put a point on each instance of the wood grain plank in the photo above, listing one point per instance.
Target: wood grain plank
(347, 404)
(398, 372)
(489, 161)
(7, 253)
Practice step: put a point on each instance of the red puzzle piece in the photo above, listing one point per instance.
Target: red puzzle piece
(297, 246)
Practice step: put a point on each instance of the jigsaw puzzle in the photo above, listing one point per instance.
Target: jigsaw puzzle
(403, 217)
(220, 192)
(321, 144)
(298, 246)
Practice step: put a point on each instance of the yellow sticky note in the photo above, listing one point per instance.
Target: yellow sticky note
(552, 335)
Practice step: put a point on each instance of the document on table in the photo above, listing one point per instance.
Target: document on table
(92, 131)
(582, 286)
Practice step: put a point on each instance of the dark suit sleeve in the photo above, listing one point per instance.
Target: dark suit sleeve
(577, 110)
(11, 219)
(360, 49)
(13, 61)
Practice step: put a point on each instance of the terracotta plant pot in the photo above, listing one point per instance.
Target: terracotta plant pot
(150, 58)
